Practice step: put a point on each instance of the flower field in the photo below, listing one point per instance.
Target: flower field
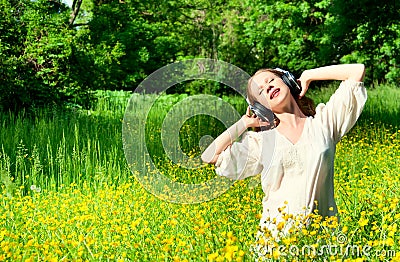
(67, 193)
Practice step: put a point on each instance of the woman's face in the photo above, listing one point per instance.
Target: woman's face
(270, 90)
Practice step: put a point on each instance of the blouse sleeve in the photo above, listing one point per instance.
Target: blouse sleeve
(242, 158)
(343, 108)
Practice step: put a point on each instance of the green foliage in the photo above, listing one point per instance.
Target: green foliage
(368, 32)
(128, 41)
(116, 44)
(36, 52)
(285, 34)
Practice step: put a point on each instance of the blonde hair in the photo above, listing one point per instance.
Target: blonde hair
(305, 104)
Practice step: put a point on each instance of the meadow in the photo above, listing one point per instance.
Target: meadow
(68, 194)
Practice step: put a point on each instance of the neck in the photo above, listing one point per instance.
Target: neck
(291, 115)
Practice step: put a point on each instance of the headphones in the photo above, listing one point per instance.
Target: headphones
(266, 114)
(289, 79)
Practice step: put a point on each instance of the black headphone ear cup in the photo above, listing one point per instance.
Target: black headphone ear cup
(262, 112)
(286, 81)
(291, 82)
(289, 79)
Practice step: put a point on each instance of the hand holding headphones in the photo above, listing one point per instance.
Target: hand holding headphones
(304, 81)
(253, 119)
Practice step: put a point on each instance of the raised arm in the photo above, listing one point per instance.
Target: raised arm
(334, 72)
(210, 155)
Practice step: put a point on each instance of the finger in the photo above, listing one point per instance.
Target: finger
(264, 123)
(299, 82)
(303, 92)
(248, 111)
(304, 87)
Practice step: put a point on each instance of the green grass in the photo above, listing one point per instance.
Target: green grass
(57, 148)
(91, 207)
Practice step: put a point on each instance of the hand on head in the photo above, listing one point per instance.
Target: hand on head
(251, 120)
(304, 82)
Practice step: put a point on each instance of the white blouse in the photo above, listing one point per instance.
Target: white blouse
(297, 176)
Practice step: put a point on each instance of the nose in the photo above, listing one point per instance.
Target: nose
(268, 87)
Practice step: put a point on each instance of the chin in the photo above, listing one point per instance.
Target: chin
(277, 106)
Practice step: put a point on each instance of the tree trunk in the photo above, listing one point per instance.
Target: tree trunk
(76, 5)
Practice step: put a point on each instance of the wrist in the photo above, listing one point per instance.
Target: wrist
(243, 123)
(307, 75)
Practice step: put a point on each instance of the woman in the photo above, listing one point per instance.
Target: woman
(296, 158)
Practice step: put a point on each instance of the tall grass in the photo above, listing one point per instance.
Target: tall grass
(90, 207)
(382, 106)
(56, 148)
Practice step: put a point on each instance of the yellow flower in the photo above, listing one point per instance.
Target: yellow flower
(363, 222)
(390, 242)
(212, 257)
(280, 225)
(276, 254)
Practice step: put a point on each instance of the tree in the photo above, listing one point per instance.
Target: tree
(129, 40)
(36, 50)
(76, 6)
(285, 34)
(368, 31)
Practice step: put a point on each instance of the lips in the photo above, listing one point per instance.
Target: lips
(274, 93)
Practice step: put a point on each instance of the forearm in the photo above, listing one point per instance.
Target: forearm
(336, 72)
(210, 155)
